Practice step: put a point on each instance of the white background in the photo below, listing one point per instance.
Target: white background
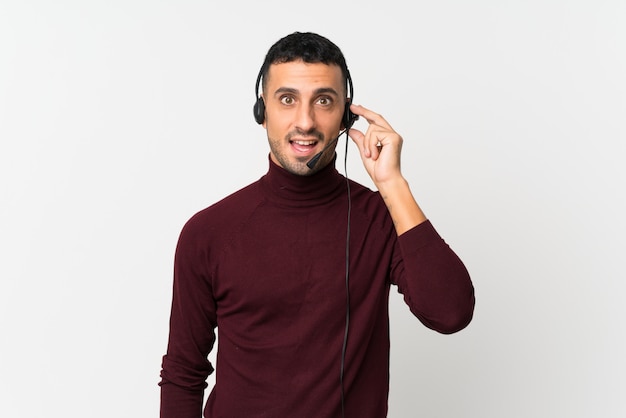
(120, 119)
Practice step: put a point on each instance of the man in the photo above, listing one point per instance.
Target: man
(294, 270)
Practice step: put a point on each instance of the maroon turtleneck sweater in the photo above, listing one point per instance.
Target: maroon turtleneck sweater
(266, 268)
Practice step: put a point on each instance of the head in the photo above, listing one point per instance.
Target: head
(304, 104)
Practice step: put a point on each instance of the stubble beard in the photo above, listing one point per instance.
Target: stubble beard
(297, 166)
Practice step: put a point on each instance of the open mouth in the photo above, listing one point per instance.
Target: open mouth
(303, 146)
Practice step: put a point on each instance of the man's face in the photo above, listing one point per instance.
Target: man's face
(304, 105)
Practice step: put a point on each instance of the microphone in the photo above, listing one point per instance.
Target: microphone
(313, 161)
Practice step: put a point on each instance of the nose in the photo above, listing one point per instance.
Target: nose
(305, 117)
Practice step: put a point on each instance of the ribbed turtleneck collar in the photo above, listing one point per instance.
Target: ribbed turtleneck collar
(288, 189)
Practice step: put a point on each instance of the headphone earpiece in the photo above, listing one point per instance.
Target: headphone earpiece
(259, 104)
(348, 117)
(259, 111)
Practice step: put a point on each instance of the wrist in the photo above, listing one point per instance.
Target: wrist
(404, 210)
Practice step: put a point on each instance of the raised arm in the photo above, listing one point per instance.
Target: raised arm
(380, 147)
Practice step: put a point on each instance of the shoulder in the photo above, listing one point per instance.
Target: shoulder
(225, 212)
(368, 205)
(367, 199)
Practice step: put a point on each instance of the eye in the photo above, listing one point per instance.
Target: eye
(287, 100)
(325, 101)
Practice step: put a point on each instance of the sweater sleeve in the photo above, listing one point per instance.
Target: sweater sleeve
(433, 280)
(185, 366)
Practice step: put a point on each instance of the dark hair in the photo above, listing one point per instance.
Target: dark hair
(308, 47)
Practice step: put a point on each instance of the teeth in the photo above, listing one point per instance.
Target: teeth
(304, 142)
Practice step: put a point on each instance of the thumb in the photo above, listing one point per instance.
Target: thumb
(357, 137)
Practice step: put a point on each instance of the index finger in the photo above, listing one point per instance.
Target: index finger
(371, 117)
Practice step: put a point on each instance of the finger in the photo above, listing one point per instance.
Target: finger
(357, 137)
(371, 117)
(360, 139)
(375, 139)
(377, 148)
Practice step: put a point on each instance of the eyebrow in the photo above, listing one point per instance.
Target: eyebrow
(321, 90)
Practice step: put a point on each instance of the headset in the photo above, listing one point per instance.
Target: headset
(348, 117)
(347, 121)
